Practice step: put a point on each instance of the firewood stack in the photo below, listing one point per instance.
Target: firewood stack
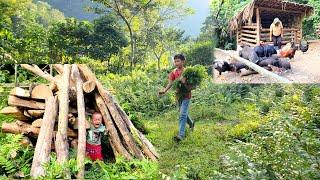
(58, 116)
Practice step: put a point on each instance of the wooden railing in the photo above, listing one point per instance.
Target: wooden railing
(249, 35)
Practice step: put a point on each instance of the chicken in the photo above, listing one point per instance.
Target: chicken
(304, 46)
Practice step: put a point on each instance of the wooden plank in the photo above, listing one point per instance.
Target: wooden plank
(248, 27)
(249, 40)
(248, 31)
(258, 20)
(249, 35)
(257, 68)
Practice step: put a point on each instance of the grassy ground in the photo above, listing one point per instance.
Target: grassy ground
(199, 152)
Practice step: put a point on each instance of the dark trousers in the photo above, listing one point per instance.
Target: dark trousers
(277, 40)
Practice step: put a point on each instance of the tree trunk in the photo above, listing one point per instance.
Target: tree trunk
(146, 146)
(61, 143)
(20, 127)
(43, 146)
(114, 138)
(14, 112)
(19, 92)
(37, 123)
(127, 137)
(89, 86)
(36, 70)
(36, 113)
(58, 68)
(41, 91)
(31, 104)
(81, 121)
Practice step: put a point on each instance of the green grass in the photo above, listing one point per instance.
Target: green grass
(199, 152)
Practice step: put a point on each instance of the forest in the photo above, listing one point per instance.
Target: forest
(242, 131)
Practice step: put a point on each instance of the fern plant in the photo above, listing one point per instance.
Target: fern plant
(15, 160)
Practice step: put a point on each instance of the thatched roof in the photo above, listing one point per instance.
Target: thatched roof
(247, 13)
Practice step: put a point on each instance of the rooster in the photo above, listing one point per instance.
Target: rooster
(288, 50)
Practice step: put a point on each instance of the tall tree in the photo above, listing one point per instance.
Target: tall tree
(141, 15)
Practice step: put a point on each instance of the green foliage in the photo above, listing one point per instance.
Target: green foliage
(201, 52)
(74, 39)
(15, 160)
(194, 76)
(23, 31)
(137, 93)
(123, 169)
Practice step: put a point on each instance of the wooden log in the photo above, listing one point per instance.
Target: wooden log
(89, 86)
(36, 113)
(41, 91)
(37, 123)
(31, 104)
(25, 142)
(19, 92)
(61, 144)
(75, 74)
(114, 138)
(14, 112)
(20, 127)
(36, 70)
(245, 72)
(146, 146)
(58, 68)
(25, 112)
(257, 68)
(43, 146)
(76, 124)
(127, 136)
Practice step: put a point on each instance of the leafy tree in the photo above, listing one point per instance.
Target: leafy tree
(23, 30)
(73, 39)
(141, 16)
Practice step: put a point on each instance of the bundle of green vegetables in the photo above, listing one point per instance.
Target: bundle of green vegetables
(194, 76)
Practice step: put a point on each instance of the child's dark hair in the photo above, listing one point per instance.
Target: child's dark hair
(179, 56)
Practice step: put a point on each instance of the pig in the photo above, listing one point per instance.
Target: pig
(248, 53)
(222, 66)
(265, 50)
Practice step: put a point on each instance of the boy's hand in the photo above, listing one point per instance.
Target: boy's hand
(162, 92)
(183, 80)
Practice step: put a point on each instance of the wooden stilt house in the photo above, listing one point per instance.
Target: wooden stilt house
(252, 24)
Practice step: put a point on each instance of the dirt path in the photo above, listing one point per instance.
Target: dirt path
(305, 69)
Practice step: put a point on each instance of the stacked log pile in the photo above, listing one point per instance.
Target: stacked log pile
(57, 116)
